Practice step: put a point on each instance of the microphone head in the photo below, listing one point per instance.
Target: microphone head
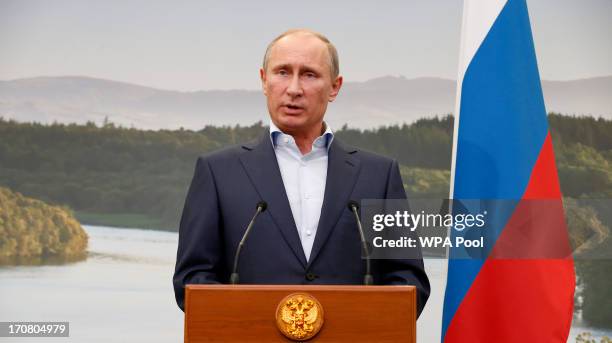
(353, 204)
(261, 206)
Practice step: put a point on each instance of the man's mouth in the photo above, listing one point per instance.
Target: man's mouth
(292, 108)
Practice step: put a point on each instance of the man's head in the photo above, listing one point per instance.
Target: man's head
(300, 75)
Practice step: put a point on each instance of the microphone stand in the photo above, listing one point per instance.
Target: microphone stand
(367, 278)
(261, 206)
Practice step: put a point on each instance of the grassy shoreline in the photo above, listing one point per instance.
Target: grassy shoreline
(122, 220)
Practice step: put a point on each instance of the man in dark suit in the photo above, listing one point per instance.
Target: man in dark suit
(307, 177)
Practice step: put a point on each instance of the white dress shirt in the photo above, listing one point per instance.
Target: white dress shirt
(304, 178)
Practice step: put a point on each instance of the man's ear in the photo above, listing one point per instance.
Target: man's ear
(336, 85)
(262, 76)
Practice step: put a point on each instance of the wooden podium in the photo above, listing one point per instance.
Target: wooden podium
(247, 313)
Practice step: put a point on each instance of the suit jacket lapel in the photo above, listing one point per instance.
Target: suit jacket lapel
(262, 167)
(342, 171)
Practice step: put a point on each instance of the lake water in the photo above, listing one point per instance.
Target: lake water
(123, 292)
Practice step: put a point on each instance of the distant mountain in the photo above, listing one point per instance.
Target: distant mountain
(381, 101)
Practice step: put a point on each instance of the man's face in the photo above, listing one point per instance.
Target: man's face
(298, 83)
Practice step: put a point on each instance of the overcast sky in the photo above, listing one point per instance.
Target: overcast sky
(200, 45)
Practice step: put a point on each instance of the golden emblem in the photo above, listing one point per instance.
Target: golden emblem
(299, 316)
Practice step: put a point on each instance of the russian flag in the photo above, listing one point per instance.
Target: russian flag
(502, 150)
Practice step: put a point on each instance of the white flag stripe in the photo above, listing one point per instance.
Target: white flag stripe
(478, 17)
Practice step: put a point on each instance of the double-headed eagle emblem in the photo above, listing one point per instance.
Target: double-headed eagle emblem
(299, 316)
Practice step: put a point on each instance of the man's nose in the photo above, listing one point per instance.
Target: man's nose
(295, 88)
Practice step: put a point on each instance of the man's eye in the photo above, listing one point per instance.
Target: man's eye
(310, 75)
(282, 72)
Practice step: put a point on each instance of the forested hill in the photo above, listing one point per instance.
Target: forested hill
(131, 177)
(32, 231)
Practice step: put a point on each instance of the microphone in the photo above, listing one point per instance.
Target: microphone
(367, 278)
(261, 206)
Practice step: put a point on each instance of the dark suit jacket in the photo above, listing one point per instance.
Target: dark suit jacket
(222, 198)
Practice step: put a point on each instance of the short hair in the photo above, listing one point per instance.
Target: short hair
(334, 63)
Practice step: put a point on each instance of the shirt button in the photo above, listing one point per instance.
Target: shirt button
(308, 232)
(306, 196)
(286, 139)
